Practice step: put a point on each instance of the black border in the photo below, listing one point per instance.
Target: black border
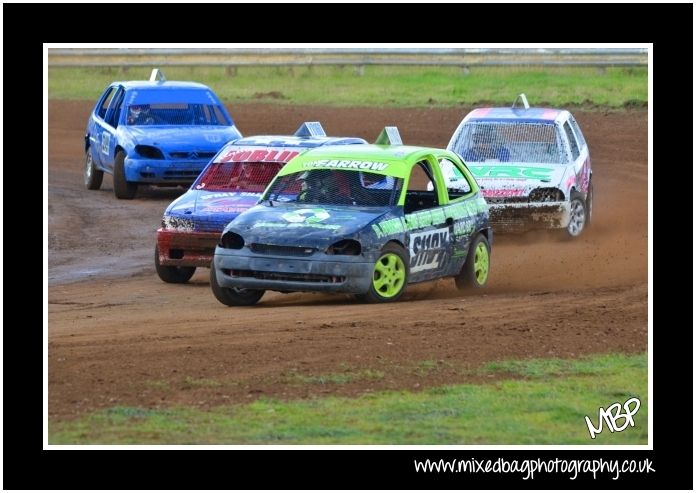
(27, 466)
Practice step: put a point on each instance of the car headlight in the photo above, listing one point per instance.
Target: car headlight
(177, 223)
(546, 195)
(345, 247)
(149, 152)
(231, 240)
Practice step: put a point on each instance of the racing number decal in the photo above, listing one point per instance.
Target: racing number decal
(105, 140)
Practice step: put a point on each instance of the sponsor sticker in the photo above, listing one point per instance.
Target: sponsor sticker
(347, 164)
(306, 216)
(427, 249)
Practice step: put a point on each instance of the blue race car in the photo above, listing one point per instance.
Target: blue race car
(362, 219)
(154, 132)
(232, 183)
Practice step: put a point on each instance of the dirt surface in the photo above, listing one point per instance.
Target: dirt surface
(120, 336)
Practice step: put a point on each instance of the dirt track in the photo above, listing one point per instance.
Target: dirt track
(120, 336)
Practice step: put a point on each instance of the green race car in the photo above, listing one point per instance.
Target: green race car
(361, 219)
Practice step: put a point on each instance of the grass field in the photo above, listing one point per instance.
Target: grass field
(383, 85)
(540, 401)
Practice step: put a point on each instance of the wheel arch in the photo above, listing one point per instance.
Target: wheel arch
(395, 242)
(118, 148)
(486, 232)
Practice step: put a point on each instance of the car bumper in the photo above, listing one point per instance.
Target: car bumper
(186, 249)
(163, 171)
(526, 216)
(323, 273)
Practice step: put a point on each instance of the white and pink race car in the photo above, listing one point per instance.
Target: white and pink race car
(533, 166)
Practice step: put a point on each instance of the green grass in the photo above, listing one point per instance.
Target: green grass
(336, 378)
(382, 85)
(545, 405)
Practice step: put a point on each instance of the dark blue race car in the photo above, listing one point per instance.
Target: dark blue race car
(154, 132)
(232, 183)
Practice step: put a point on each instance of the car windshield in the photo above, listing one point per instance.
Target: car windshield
(518, 142)
(237, 176)
(336, 187)
(174, 114)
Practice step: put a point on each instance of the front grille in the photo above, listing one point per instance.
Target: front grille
(285, 276)
(212, 223)
(191, 155)
(181, 174)
(290, 251)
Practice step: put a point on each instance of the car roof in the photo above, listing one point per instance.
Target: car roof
(399, 158)
(522, 115)
(295, 141)
(169, 84)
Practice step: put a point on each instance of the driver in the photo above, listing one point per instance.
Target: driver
(139, 114)
(487, 147)
(316, 187)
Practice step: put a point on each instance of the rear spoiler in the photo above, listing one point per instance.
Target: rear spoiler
(310, 129)
(389, 136)
(521, 97)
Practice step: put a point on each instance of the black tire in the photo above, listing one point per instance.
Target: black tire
(171, 273)
(93, 176)
(578, 215)
(233, 296)
(392, 269)
(475, 272)
(122, 189)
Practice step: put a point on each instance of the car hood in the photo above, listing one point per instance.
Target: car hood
(211, 211)
(516, 179)
(171, 137)
(303, 225)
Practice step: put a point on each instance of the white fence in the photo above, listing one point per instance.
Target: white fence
(359, 57)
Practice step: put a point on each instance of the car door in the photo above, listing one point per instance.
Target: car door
(429, 231)
(463, 211)
(579, 157)
(584, 174)
(96, 123)
(106, 131)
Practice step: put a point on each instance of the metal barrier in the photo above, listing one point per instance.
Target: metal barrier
(359, 57)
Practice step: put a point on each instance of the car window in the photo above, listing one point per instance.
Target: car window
(571, 139)
(105, 100)
(141, 114)
(509, 141)
(456, 182)
(578, 133)
(114, 113)
(238, 176)
(420, 194)
(336, 187)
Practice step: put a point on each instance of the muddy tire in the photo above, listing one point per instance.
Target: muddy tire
(171, 273)
(122, 189)
(233, 296)
(474, 273)
(578, 215)
(93, 176)
(389, 276)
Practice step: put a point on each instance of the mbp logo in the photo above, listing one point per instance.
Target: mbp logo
(613, 414)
